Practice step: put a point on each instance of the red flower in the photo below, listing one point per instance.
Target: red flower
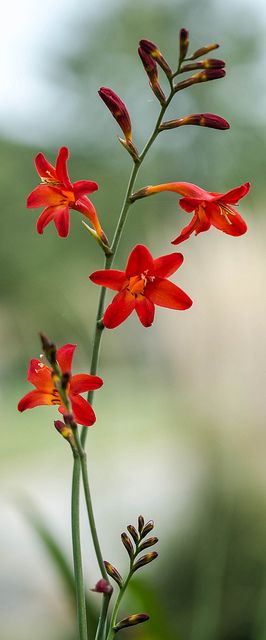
(40, 375)
(210, 208)
(58, 195)
(142, 285)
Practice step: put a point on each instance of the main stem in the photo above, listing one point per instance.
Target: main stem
(79, 582)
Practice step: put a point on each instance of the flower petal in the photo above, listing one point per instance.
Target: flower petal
(82, 410)
(44, 168)
(39, 374)
(189, 204)
(112, 279)
(227, 220)
(34, 399)
(167, 265)
(82, 187)
(44, 195)
(233, 196)
(85, 206)
(84, 382)
(188, 230)
(145, 310)
(61, 168)
(46, 216)
(64, 357)
(62, 221)
(167, 294)
(120, 308)
(139, 261)
(183, 188)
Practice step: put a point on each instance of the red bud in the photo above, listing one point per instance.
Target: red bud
(155, 53)
(209, 120)
(183, 43)
(118, 110)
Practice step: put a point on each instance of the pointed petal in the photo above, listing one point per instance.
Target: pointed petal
(165, 266)
(167, 294)
(82, 410)
(84, 382)
(145, 310)
(39, 374)
(233, 196)
(188, 230)
(46, 216)
(62, 221)
(112, 279)
(64, 357)
(230, 223)
(34, 399)
(120, 308)
(61, 168)
(44, 168)
(44, 195)
(82, 187)
(139, 261)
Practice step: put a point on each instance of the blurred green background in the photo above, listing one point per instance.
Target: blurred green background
(180, 433)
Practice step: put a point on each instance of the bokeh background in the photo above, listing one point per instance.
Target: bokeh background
(180, 433)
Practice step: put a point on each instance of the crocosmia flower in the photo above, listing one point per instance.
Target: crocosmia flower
(209, 208)
(45, 392)
(58, 195)
(142, 285)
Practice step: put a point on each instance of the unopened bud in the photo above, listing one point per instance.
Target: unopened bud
(200, 119)
(136, 618)
(209, 63)
(148, 527)
(141, 523)
(183, 43)
(155, 53)
(118, 110)
(49, 349)
(203, 50)
(112, 571)
(65, 431)
(133, 532)
(148, 543)
(103, 586)
(127, 544)
(68, 419)
(149, 557)
(130, 147)
(203, 76)
(152, 73)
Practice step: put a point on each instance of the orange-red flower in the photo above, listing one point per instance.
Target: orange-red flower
(57, 194)
(210, 208)
(142, 285)
(41, 376)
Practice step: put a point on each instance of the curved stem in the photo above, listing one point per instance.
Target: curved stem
(77, 559)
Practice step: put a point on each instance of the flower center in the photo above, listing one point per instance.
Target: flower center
(136, 284)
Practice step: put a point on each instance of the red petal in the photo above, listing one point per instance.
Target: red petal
(145, 310)
(166, 265)
(85, 206)
(82, 187)
(46, 216)
(62, 221)
(82, 410)
(84, 382)
(120, 308)
(139, 261)
(183, 188)
(64, 357)
(167, 294)
(188, 230)
(189, 204)
(61, 168)
(233, 196)
(40, 375)
(44, 195)
(112, 279)
(34, 399)
(44, 168)
(236, 225)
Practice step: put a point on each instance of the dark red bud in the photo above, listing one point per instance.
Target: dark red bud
(203, 50)
(209, 63)
(203, 76)
(133, 532)
(152, 49)
(118, 110)
(148, 527)
(127, 544)
(136, 618)
(103, 586)
(149, 557)
(141, 523)
(148, 543)
(112, 571)
(183, 43)
(209, 120)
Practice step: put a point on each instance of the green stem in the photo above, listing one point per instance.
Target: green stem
(113, 620)
(79, 581)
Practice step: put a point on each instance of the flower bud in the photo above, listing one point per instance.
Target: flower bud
(151, 70)
(148, 527)
(153, 51)
(209, 63)
(141, 523)
(118, 110)
(203, 76)
(127, 544)
(65, 431)
(183, 43)
(136, 618)
(200, 119)
(149, 557)
(49, 349)
(148, 543)
(103, 586)
(65, 379)
(112, 571)
(203, 50)
(133, 532)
